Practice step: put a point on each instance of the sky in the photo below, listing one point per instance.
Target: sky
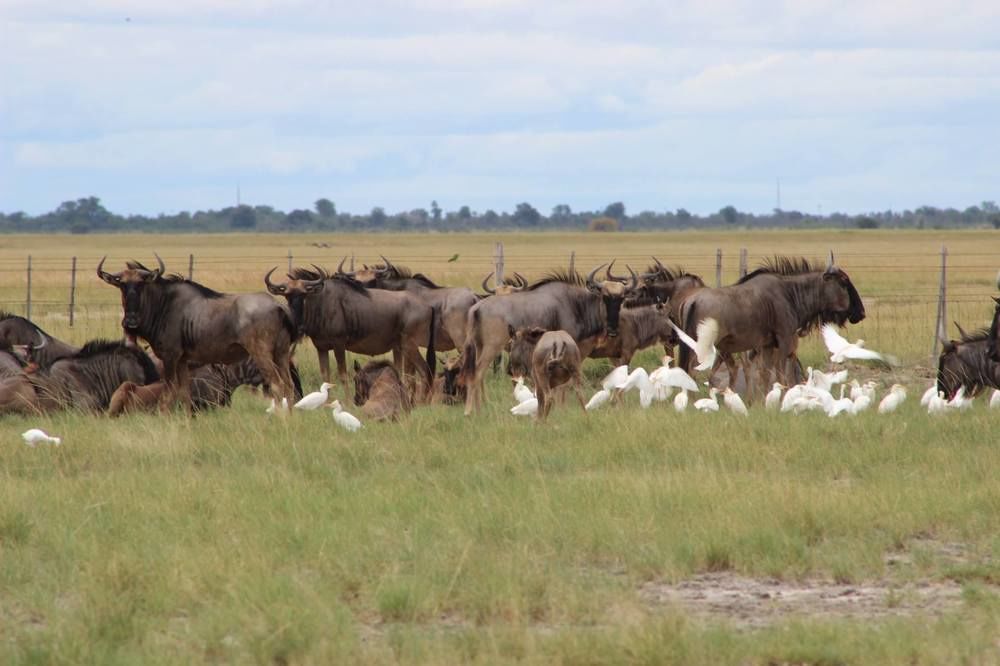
(169, 105)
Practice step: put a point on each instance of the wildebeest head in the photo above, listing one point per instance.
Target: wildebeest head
(967, 362)
(522, 346)
(133, 283)
(994, 330)
(365, 378)
(613, 290)
(295, 290)
(841, 300)
(509, 286)
(661, 284)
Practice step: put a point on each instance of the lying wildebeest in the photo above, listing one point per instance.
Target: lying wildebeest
(339, 313)
(769, 309)
(86, 380)
(508, 286)
(554, 360)
(189, 325)
(379, 392)
(452, 303)
(44, 349)
(211, 386)
(447, 389)
(967, 362)
(638, 328)
(11, 364)
(584, 308)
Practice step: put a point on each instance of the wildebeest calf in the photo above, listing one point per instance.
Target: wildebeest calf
(555, 361)
(447, 390)
(379, 392)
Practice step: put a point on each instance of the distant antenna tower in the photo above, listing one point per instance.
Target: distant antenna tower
(778, 197)
(237, 195)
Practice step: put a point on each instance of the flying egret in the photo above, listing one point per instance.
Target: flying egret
(773, 398)
(995, 399)
(615, 378)
(841, 350)
(522, 392)
(704, 347)
(597, 400)
(36, 436)
(893, 399)
(709, 404)
(734, 402)
(930, 393)
(526, 408)
(344, 419)
(316, 399)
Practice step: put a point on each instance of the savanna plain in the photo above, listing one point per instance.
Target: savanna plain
(621, 536)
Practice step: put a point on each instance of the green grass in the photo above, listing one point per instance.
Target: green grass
(232, 537)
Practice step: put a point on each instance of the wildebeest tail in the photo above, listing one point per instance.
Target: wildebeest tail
(286, 321)
(296, 380)
(556, 357)
(431, 356)
(689, 324)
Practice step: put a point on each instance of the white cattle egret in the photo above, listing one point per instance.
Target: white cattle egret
(995, 399)
(862, 403)
(343, 419)
(937, 404)
(825, 380)
(681, 401)
(840, 405)
(664, 366)
(673, 378)
(598, 399)
(526, 408)
(316, 399)
(615, 378)
(709, 404)
(773, 398)
(928, 394)
(704, 347)
(734, 402)
(841, 350)
(960, 401)
(893, 399)
(284, 406)
(36, 436)
(522, 392)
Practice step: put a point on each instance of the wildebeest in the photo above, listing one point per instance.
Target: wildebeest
(379, 392)
(554, 359)
(638, 328)
(337, 312)
(966, 362)
(509, 285)
(44, 349)
(585, 308)
(188, 324)
(770, 308)
(452, 303)
(447, 389)
(85, 380)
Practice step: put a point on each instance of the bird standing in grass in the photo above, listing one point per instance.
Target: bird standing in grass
(347, 421)
(522, 392)
(526, 408)
(893, 399)
(773, 398)
(734, 402)
(681, 401)
(597, 400)
(36, 436)
(995, 399)
(316, 399)
(709, 404)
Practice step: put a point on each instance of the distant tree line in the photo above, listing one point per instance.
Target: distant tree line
(89, 215)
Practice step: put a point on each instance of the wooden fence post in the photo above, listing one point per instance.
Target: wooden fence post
(498, 264)
(718, 267)
(743, 262)
(940, 326)
(190, 267)
(289, 260)
(27, 304)
(572, 262)
(352, 263)
(72, 291)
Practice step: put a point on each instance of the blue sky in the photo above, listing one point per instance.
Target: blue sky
(166, 106)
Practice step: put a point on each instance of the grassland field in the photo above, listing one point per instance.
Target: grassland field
(623, 536)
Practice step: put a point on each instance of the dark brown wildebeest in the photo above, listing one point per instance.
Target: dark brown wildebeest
(509, 285)
(44, 349)
(555, 361)
(379, 392)
(452, 303)
(339, 313)
(189, 325)
(638, 328)
(966, 362)
(584, 308)
(84, 381)
(769, 309)
(447, 389)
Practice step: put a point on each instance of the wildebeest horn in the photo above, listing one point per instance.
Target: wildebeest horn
(44, 342)
(658, 264)
(340, 268)
(522, 282)
(961, 331)
(159, 271)
(486, 281)
(608, 274)
(590, 277)
(829, 261)
(104, 275)
(271, 287)
(635, 278)
(388, 264)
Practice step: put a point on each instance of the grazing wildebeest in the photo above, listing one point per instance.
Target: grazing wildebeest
(769, 309)
(339, 313)
(379, 392)
(554, 360)
(584, 308)
(447, 389)
(211, 386)
(189, 325)
(17, 331)
(508, 286)
(638, 328)
(86, 380)
(967, 362)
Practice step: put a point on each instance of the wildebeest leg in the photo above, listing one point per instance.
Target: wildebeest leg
(272, 361)
(170, 371)
(411, 354)
(17, 395)
(474, 393)
(324, 364)
(578, 389)
(340, 355)
(544, 400)
(184, 387)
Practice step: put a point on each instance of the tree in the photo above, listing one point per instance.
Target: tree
(561, 212)
(377, 217)
(615, 210)
(325, 208)
(525, 215)
(683, 216)
(866, 222)
(243, 218)
(298, 219)
(436, 211)
(464, 213)
(490, 217)
(729, 214)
